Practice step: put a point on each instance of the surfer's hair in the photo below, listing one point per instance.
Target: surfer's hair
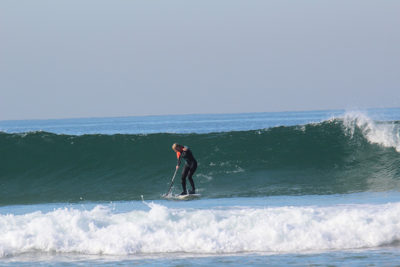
(176, 146)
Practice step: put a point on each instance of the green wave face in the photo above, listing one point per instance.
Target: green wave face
(322, 158)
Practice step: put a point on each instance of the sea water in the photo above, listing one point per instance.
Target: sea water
(293, 188)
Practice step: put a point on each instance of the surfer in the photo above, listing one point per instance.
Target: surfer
(190, 166)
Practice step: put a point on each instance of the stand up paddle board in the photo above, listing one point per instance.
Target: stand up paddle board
(188, 196)
(183, 197)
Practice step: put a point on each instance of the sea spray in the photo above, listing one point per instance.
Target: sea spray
(386, 134)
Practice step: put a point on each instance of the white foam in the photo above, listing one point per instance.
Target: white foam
(386, 133)
(227, 230)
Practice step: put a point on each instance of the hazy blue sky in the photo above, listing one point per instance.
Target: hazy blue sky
(91, 58)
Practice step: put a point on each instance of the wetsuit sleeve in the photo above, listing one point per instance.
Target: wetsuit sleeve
(178, 155)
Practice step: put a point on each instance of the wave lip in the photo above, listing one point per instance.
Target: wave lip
(211, 231)
(386, 134)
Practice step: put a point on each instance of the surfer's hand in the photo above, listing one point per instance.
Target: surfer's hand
(177, 166)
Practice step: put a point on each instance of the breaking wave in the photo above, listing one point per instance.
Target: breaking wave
(349, 154)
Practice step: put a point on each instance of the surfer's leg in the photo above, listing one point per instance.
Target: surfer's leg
(191, 172)
(184, 174)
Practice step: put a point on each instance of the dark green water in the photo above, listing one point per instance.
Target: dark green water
(320, 158)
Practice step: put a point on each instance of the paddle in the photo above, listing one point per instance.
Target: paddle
(172, 182)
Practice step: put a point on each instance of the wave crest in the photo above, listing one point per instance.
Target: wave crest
(386, 134)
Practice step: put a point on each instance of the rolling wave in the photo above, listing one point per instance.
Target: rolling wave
(340, 155)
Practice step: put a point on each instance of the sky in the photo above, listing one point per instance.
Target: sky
(96, 58)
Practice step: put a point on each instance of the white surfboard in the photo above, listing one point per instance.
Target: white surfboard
(182, 197)
(188, 196)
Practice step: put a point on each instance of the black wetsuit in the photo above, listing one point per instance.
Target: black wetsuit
(190, 168)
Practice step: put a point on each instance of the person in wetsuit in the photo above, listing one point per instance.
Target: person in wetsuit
(190, 166)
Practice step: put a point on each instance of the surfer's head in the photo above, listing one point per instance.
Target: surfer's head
(176, 147)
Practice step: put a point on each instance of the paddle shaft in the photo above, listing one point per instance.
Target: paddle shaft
(172, 182)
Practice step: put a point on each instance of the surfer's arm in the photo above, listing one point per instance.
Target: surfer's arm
(178, 155)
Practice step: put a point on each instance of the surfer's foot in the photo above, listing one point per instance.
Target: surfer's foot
(191, 192)
(183, 193)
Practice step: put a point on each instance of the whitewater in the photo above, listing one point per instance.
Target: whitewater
(289, 188)
(162, 229)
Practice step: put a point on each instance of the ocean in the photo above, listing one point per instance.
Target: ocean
(304, 188)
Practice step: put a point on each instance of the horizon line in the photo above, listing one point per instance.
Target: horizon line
(196, 114)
